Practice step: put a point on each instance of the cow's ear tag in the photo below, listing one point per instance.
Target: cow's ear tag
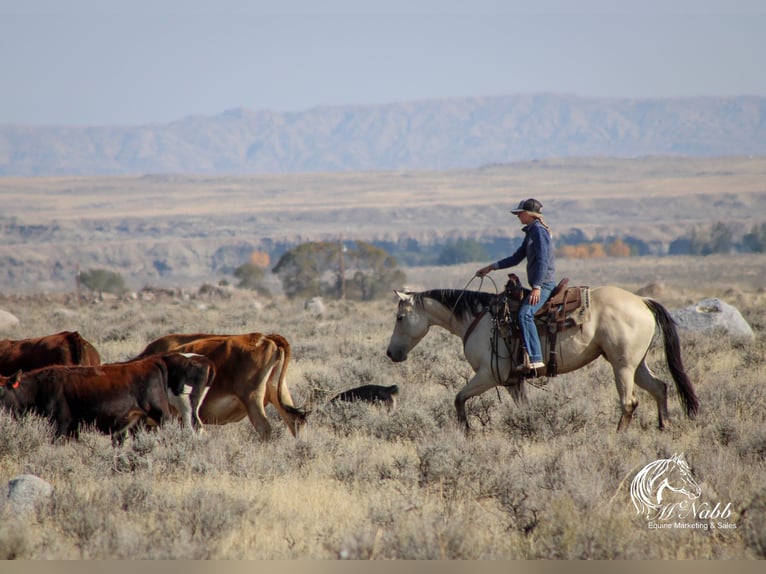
(15, 384)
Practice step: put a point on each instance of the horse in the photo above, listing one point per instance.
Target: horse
(620, 329)
(649, 486)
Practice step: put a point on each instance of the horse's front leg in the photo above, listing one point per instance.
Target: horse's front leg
(480, 382)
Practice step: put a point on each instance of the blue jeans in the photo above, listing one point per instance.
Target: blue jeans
(527, 321)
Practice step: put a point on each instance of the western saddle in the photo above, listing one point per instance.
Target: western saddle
(554, 315)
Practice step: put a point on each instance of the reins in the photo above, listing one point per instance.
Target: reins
(464, 289)
(472, 326)
(494, 340)
(478, 317)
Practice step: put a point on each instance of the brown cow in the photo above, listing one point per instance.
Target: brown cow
(250, 374)
(113, 397)
(65, 348)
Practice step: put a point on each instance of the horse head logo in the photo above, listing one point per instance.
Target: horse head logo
(654, 483)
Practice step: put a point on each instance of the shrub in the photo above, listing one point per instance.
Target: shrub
(102, 281)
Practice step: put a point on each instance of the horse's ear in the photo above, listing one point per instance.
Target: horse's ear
(403, 296)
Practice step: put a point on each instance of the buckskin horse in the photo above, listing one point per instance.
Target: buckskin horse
(620, 328)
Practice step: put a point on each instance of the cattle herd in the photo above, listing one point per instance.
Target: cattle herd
(198, 378)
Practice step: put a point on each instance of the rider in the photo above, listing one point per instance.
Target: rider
(537, 248)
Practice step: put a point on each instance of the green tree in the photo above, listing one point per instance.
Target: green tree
(251, 277)
(102, 281)
(756, 240)
(697, 242)
(374, 272)
(357, 270)
(462, 251)
(720, 239)
(302, 268)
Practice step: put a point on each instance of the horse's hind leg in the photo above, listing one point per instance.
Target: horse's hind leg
(657, 388)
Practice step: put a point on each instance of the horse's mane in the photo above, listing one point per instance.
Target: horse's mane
(462, 303)
(643, 489)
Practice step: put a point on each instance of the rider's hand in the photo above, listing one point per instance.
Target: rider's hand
(483, 271)
(534, 296)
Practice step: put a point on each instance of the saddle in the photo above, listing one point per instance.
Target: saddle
(562, 301)
(566, 307)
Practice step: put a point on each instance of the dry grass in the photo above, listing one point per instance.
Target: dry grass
(546, 480)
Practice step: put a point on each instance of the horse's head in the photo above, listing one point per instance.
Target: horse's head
(411, 326)
(651, 486)
(679, 479)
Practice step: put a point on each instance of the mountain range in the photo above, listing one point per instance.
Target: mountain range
(436, 134)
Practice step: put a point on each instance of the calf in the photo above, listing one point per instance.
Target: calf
(370, 393)
(186, 400)
(113, 397)
(64, 348)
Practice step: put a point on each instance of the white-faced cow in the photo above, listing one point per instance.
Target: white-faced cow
(250, 373)
(113, 397)
(198, 374)
(64, 348)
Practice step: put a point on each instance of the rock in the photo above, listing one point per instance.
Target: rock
(714, 315)
(8, 320)
(27, 492)
(314, 305)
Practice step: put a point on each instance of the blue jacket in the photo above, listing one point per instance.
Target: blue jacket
(537, 248)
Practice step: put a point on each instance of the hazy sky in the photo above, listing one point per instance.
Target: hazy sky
(93, 62)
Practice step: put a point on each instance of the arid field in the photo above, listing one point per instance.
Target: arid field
(548, 479)
(182, 229)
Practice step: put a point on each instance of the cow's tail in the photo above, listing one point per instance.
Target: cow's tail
(283, 394)
(673, 356)
(81, 351)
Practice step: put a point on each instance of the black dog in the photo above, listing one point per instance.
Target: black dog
(371, 394)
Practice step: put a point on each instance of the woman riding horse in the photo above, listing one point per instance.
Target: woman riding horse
(537, 248)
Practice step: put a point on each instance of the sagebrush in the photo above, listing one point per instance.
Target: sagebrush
(549, 479)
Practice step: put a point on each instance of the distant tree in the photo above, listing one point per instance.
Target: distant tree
(717, 239)
(314, 269)
(102, 281)
(618, 248)
(375, 272)
(756, 240)
(697, 242)
(582, 251)
(260, 259)
(721, 240)
(679, 246)
(462, 251)
(301, 268)
(251, 277)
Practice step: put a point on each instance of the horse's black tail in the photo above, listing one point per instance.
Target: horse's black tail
(673, 356)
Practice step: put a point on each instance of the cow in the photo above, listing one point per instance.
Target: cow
(64, 348)
(250, 373)
(113, 397)
(371, 394)
(185, 401)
